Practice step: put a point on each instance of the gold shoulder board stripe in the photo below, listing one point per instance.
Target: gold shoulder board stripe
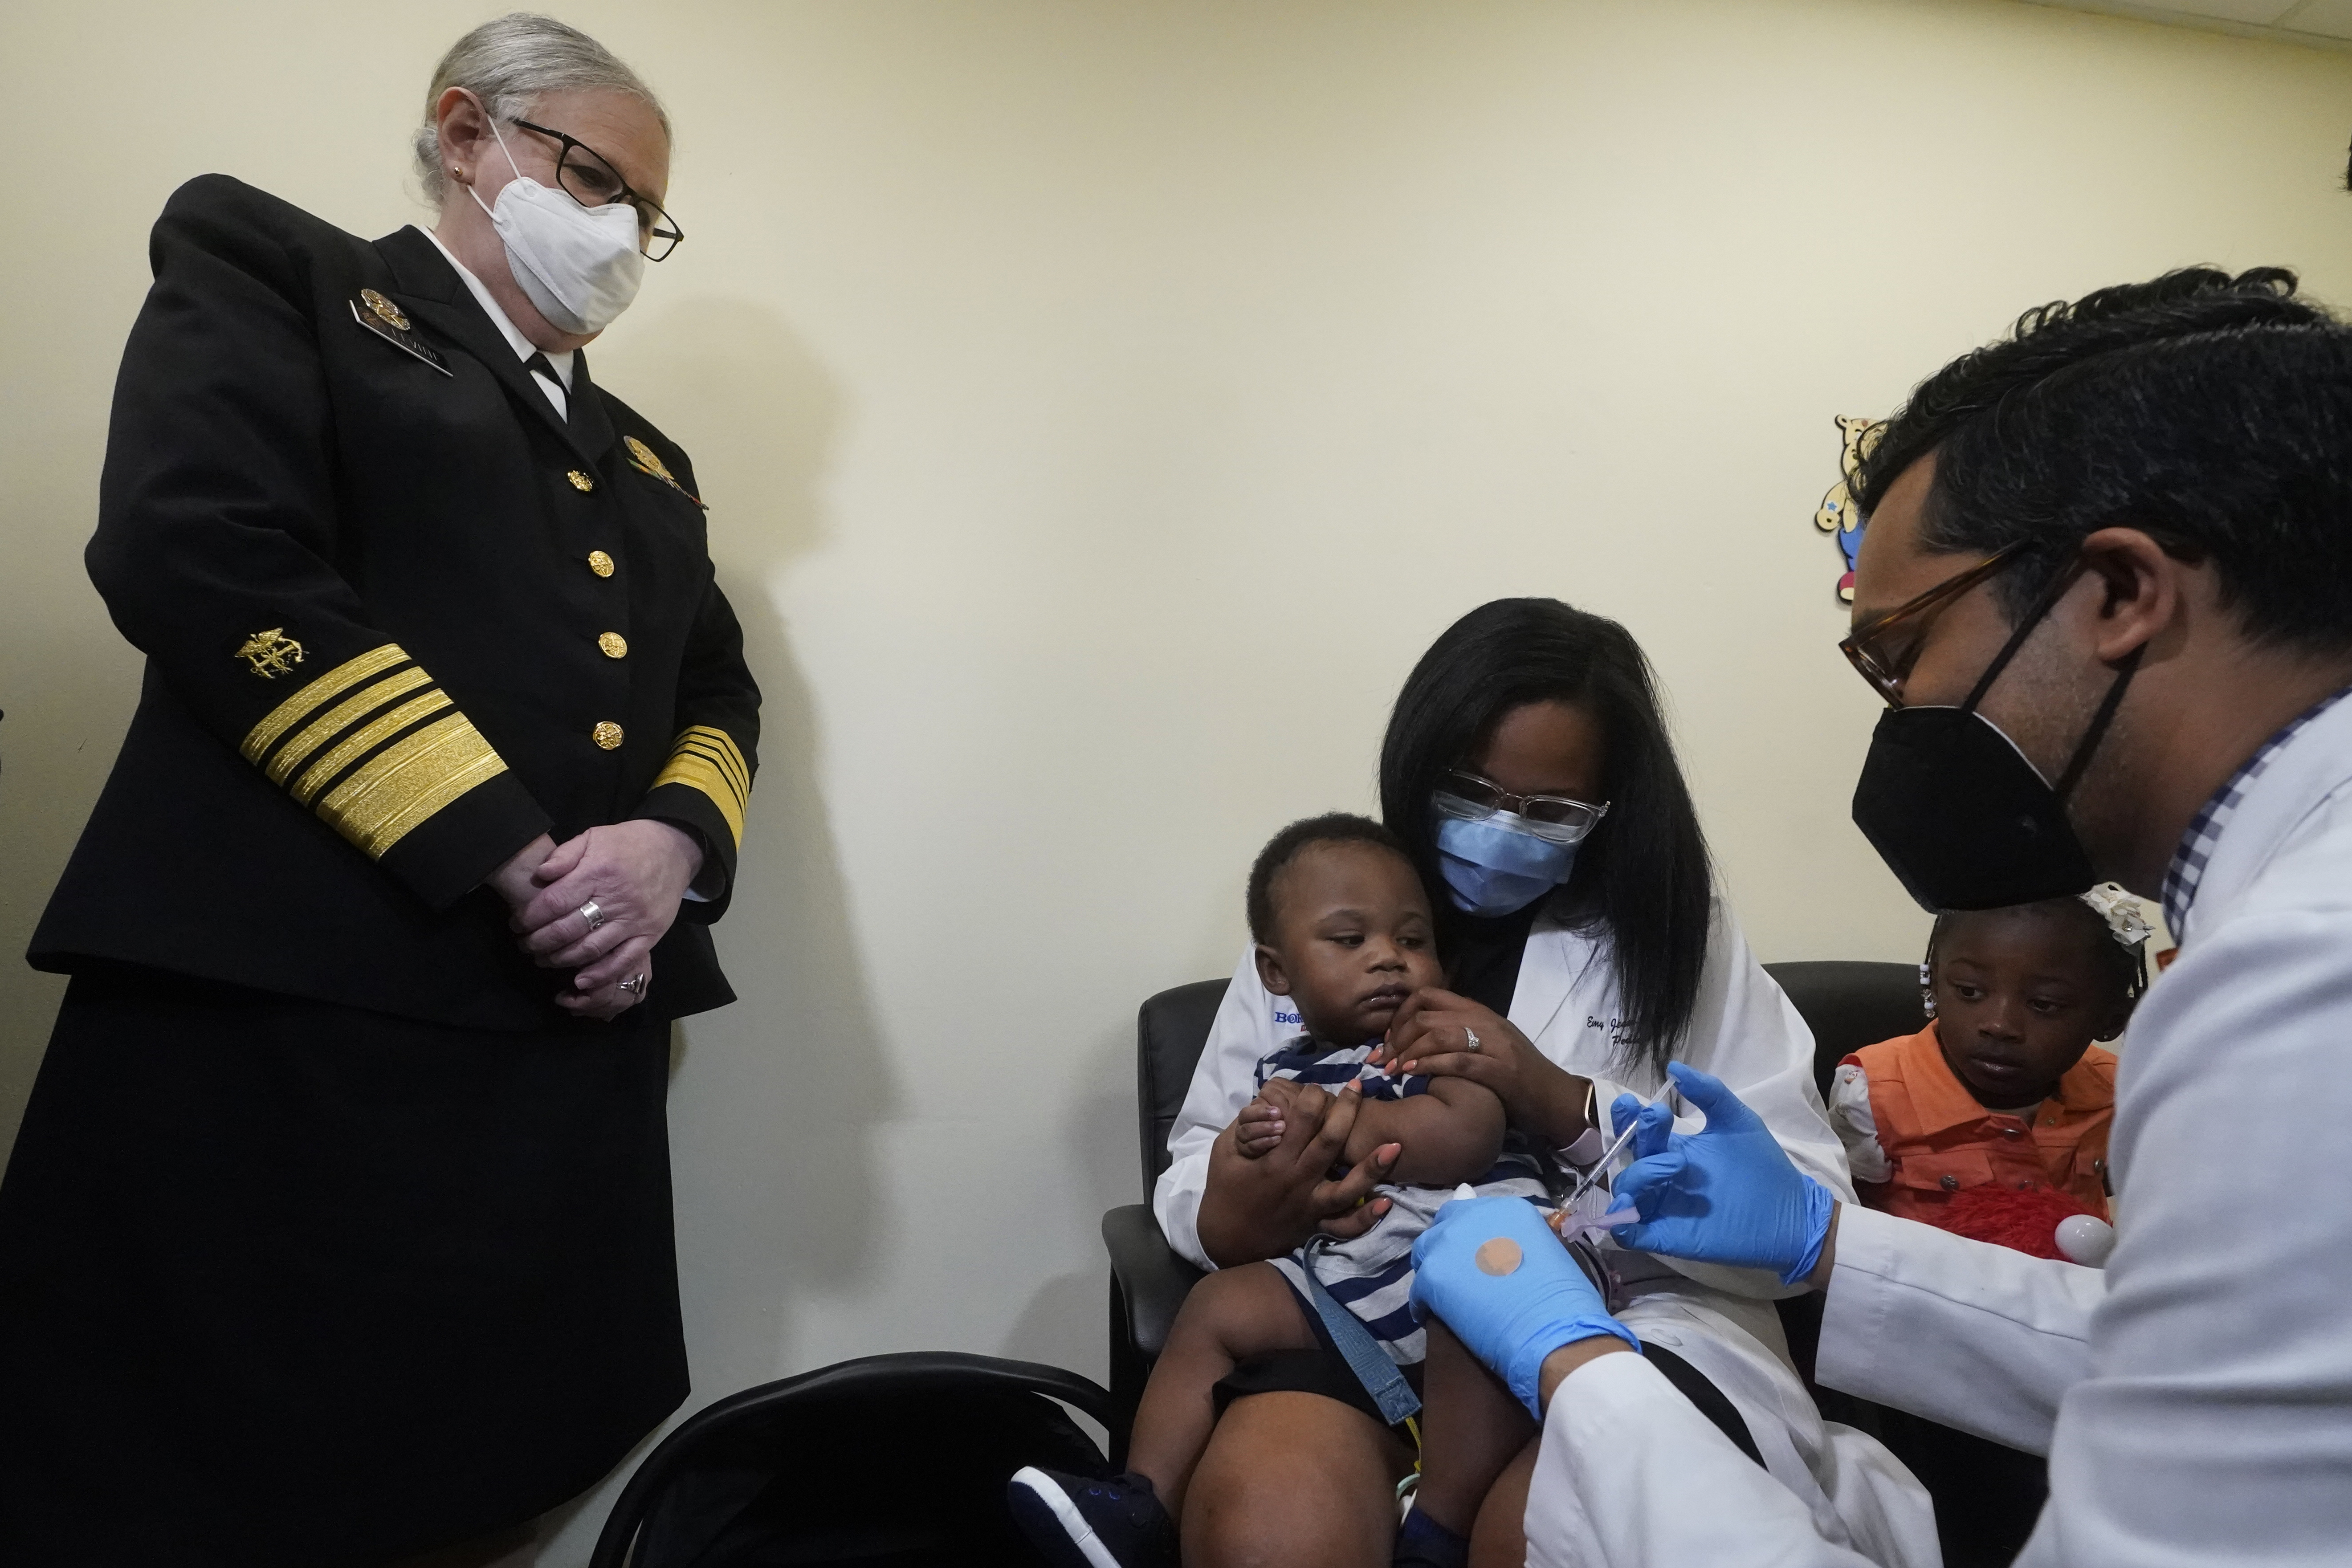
(316, 693)
(708, 760)
(390, 769)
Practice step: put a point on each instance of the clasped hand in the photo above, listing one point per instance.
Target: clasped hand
(1267, 1202)
(634, 872)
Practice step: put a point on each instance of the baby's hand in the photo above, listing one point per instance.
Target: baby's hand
(1258, 1130)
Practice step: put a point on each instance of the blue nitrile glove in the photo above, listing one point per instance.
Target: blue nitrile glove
(1654, 1124)
(1725, 1194)
(1511, 1320)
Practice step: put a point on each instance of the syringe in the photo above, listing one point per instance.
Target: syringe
(1593, 1172)
(1580, 1212)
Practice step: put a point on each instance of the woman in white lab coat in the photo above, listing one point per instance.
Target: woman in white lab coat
(1527, 769)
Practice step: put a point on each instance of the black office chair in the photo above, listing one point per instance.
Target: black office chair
(889, 1461)
(1848, 1005)
(1148, 1280)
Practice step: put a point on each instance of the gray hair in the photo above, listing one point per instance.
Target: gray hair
(508, 64)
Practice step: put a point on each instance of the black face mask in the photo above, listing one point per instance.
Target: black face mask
(1956, 811)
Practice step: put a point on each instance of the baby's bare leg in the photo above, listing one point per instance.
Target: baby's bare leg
(1295, 1481)
(1501, 1539)
(1233, 1314)
(1470, 1428)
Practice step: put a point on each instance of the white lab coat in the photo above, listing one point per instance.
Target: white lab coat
(2195, 1399)
(1745, 1031)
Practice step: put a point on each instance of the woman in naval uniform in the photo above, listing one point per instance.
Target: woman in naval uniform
(338, 1227)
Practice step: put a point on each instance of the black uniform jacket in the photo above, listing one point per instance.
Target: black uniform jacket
(400, 616)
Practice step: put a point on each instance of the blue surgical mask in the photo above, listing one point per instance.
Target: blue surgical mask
(1495, 866)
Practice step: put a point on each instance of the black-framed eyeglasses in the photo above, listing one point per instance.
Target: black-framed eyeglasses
(589, 178)
(1555, 817)
(1880, 650)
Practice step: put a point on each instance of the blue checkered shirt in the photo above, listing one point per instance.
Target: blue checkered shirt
(2205, 829)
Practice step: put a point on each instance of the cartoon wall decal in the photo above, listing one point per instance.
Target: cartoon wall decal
(1837, 514)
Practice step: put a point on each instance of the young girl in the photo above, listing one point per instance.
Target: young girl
(2004, 1085)
(1343, 930)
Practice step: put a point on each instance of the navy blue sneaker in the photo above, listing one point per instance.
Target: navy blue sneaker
(1422, 1542)
(1082, 1523)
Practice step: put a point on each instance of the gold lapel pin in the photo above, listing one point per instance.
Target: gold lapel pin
(384, 310)
(645, 460)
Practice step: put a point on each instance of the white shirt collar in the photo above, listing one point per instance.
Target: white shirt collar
(523, 347)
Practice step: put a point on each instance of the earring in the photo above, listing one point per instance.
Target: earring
(1926, 992)
(456, 171)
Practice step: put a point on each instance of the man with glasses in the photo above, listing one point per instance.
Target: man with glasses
(2106, 592)
(338, 1227)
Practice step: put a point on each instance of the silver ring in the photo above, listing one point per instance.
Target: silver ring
(592, 914)
(1469, 1037)
(634, 985)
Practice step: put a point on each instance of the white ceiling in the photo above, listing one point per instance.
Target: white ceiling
(2323, 22)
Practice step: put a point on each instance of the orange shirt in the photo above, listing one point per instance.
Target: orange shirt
(1939, 1140)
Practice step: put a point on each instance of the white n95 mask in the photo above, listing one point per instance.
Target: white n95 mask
(580, 266)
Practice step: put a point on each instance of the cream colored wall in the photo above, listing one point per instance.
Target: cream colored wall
(1101, 406)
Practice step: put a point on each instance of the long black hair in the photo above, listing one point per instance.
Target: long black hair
(1644, 870)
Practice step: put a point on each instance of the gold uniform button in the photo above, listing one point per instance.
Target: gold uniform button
(600, 563)
(581, 481)
(615, 645)
(608, 734)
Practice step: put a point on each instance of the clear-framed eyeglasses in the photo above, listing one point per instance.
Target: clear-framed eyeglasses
(1552, 817)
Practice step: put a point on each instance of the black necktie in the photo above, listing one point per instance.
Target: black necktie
(537, 364)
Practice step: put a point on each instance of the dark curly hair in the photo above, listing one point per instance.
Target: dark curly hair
(1333, 828)
(2213, 411)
